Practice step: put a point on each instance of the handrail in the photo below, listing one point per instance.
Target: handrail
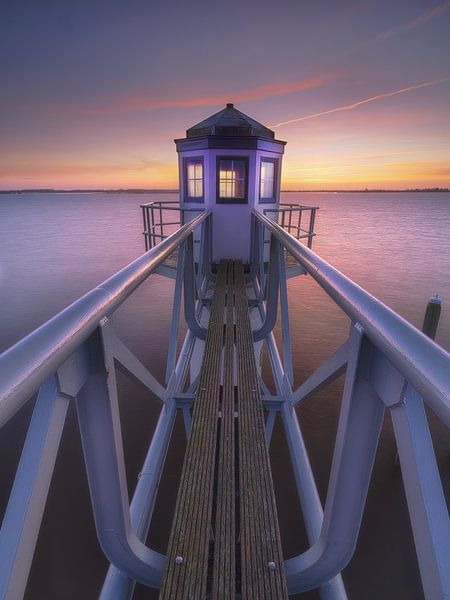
(26, 365)
(422, 362)
(160, 202)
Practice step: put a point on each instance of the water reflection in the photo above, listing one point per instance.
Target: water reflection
(55, 248)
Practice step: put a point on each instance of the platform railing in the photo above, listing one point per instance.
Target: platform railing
(156, 226)
(296, 219)
(74, 357)
(389, 364)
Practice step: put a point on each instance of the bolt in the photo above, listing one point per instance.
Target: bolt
(272, 566)
(178, 560)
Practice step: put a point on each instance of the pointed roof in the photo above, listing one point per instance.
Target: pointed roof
(230, 122)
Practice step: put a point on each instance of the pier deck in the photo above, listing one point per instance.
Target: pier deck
(225, 541)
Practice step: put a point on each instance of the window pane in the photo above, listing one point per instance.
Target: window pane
(269, 168)
(198, 170)
(239, 189)
(263, 189)
(194, 178)
(225, 169)
(267, 185)
(263, 171)
(191, 189)
(267, 189)
(238, 169)
(232, 179)
(223, 189)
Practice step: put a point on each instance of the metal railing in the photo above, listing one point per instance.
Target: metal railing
(75, 356)
(389, 364)
(156, 228)
(296, 219)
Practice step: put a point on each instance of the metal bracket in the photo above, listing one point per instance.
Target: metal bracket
(357, 437)
(190, 292)
(99, 420)
(272, 294)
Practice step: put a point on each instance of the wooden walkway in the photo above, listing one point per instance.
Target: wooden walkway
(225, 541)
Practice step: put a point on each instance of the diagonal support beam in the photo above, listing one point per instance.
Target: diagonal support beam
(99, 421)
(331, 369)
(357, 437)
(128, 363)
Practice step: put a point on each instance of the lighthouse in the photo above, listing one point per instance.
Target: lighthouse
(229, 164)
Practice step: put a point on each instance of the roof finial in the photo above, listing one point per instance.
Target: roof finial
(230, 105)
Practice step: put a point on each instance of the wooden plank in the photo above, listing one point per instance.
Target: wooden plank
(224, 571)
(203, 472)
(261, 553)
(187, 564)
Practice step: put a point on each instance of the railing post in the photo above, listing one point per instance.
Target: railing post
(426, 502)
(161, 222)
(312, 219)
(23, 516)
(144, 220)
(255, 258)
(209, 246)
(360, 422)
(190, 291)
(99, 421)
(272, 293)
(152, 239)
(173, 336)
(262, 279)
(285, 327)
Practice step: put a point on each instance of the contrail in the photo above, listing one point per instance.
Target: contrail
(424, 18)
(360, 102)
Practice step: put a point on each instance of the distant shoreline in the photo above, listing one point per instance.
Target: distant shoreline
(156, 191)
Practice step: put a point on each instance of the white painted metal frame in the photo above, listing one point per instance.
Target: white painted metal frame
(75, 356)
(389, 364)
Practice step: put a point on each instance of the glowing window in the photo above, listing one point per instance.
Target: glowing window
(268, 179)
(232, 180)
(194, 179)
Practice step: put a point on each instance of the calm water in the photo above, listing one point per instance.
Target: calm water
(53, 248)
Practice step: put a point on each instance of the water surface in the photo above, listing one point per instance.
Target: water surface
(55, 247)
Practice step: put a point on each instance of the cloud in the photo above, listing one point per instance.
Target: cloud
(353, 105)
(438, 10)
(146, 103)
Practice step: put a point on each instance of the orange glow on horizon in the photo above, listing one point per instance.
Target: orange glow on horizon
(296, 175)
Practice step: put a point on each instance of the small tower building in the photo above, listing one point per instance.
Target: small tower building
(230, 164)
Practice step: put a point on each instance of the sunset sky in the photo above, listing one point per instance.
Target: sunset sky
(92, 94)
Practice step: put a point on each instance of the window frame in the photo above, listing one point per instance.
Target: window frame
(275, 162)
(187, 198)
(226, 200)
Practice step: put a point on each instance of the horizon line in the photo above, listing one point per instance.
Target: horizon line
(176, 190)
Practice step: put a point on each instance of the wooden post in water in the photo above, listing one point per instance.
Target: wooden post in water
(431, 319)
